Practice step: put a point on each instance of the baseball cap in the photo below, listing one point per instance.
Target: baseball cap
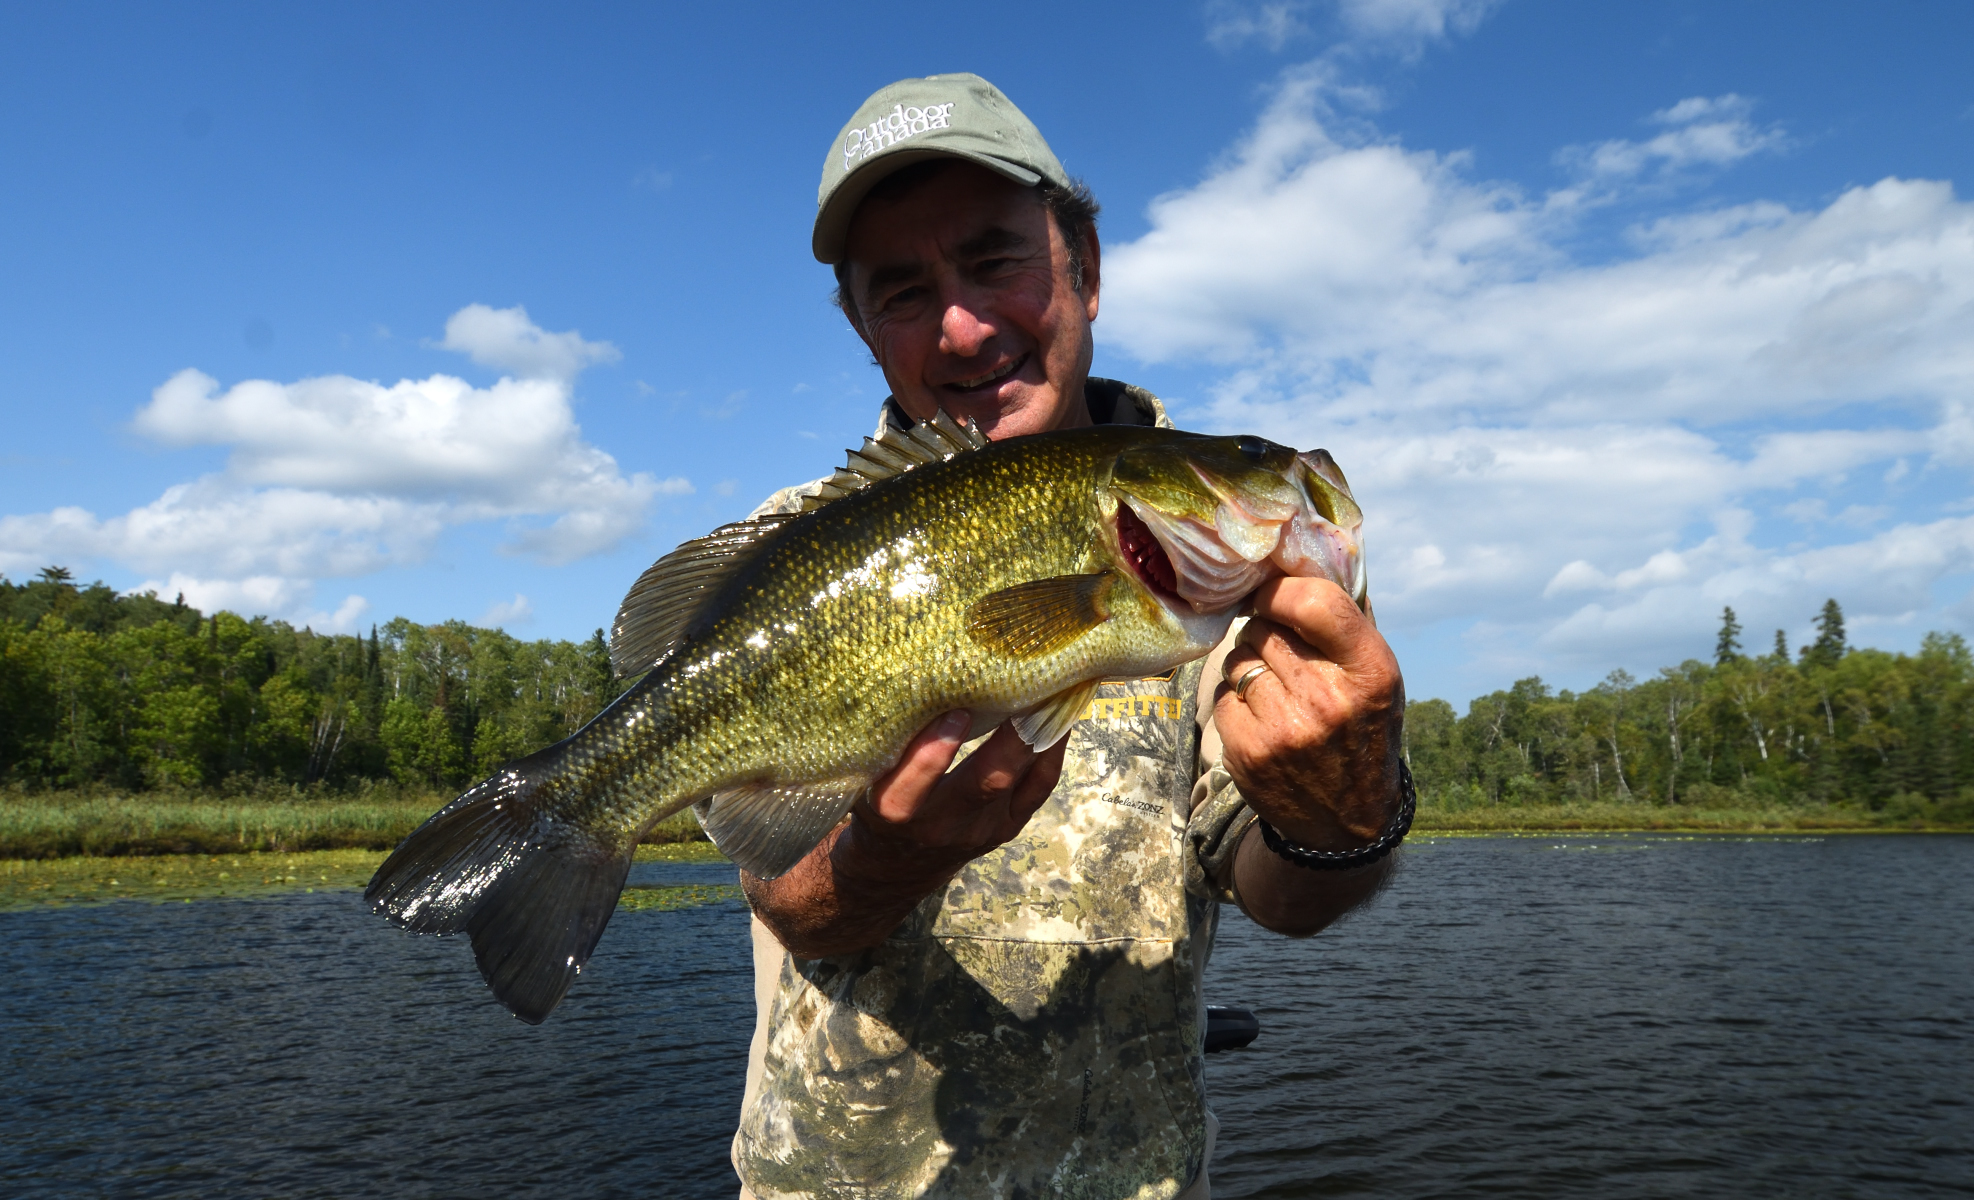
(939, 116)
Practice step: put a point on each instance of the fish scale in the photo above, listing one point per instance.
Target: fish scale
(855, 678)
(795, 658)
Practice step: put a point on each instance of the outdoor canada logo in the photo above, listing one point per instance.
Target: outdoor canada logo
(893, 127)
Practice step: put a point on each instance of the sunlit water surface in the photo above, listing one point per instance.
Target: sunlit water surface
(1608, 1016)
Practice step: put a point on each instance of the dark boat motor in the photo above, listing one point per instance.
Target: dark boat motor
(1229, 1028)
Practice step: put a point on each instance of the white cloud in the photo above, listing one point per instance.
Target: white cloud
(1700, 131)
(503, 613)
(1230, 23)
(288, 598)
(1402, 25)
(509, 449)
(218, 530)
(1580, 456)
(336, 477)
(505, 339)
(1412, 19)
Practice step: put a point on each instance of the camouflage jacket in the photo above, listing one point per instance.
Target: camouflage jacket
(1035, 1029)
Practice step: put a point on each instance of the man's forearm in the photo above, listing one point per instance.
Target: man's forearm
(1295, 900)
(847, 895)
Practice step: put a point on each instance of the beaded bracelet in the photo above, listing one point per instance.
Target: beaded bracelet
(1339, 860)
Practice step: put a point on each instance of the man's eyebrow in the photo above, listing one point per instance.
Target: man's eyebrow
(884, 277)
(990, 241)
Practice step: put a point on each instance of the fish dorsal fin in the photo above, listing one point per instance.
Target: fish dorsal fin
(893, 452)
(672, 590)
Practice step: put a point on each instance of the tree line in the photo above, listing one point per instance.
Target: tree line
(1830, 725)
(132, 691)
(135, 692)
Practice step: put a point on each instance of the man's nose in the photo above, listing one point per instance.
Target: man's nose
(962, 331)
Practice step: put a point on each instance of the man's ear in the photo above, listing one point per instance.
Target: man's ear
(1093, 258)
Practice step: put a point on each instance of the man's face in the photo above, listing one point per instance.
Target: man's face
(963, 289)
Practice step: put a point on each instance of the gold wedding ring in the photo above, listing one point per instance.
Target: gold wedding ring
(1247, 677)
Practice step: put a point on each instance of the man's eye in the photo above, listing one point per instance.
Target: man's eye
(902, 297)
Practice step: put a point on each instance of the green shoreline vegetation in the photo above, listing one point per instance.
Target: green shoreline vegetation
(183, 878)
(64, 824)
(1830, 738)
(133, 728)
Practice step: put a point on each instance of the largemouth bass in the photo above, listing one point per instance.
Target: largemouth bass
(788, 660)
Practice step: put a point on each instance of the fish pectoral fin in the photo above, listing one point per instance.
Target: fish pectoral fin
(766, 828)
(533, 895)
(1035, 618)
(1048, 722)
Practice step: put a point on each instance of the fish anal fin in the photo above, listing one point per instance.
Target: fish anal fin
(766, 828)
(663, 601)
(1048, 722)
(1035, 618)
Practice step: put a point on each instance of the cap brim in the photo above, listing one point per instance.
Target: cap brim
(833, 218)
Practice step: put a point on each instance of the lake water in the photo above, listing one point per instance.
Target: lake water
(1611, 1016)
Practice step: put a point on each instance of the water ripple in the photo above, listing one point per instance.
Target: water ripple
(1605, 1017)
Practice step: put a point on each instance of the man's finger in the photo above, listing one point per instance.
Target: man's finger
(1035, 786)
(1321, 614)
(997, 767)
(897, 793)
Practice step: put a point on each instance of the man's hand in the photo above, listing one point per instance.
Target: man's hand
(918, 826)
(1314, 747)
(945, 820)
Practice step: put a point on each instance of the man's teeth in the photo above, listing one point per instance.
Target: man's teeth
(989, 377)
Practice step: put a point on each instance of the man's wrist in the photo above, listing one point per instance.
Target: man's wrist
(1318, 826)
(1364, 851)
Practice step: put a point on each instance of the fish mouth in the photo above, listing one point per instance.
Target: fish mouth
(1205, 561)
(1147, 558)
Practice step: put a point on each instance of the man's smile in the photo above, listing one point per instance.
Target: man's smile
(981, 382)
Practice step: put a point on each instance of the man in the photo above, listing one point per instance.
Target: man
(985, 982)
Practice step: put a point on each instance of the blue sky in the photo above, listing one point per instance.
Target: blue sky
(1614, 313)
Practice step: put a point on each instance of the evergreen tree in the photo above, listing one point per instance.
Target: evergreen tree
(1727, 648)
(1781, 647)
(371, 686)
(1830, 644)
(603, 679)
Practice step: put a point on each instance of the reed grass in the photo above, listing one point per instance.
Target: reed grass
(43, 825)
(174, 878)
(61, 825)
(1649, 818)
(182, 878)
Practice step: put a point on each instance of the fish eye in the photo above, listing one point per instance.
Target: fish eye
(1252, 448)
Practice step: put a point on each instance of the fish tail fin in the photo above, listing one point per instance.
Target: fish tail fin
(532, 893)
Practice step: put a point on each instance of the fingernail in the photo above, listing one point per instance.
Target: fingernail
(954, 723)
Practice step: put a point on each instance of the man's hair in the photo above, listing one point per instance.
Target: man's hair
(1074, 210)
